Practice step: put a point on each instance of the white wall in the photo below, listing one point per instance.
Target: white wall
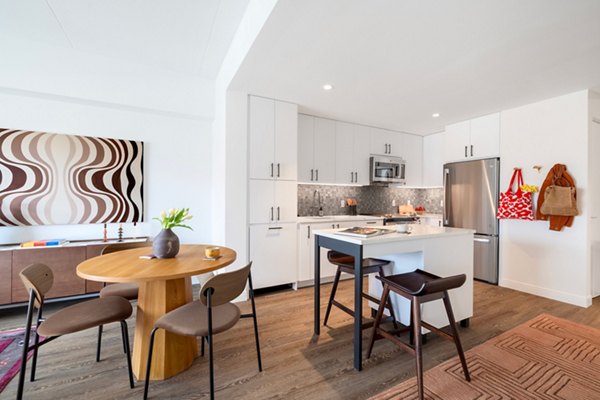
(177, 159)
(433, 159)
(532, 258)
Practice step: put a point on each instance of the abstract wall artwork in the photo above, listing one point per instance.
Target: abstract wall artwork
(55, 179)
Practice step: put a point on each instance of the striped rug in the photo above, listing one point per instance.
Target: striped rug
(545, 358)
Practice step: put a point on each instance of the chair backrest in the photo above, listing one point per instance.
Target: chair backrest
(442, 284)
(38, 277)
(113, 248)
(226, 286)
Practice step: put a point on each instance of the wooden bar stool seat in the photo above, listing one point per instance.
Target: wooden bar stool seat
(345, 263)
(420, 287)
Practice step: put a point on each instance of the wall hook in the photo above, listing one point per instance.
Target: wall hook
(538, 168)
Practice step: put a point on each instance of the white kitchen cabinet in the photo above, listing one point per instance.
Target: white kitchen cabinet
(273, 254)
(351, 153)
(433, 159)
(306, 249)
(386, 142)
(272, 201)
(475, 138)
(412, 153)
(316, 149)
(273, 139)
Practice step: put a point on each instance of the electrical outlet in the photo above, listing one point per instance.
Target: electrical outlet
(342, 203)
(394, 203)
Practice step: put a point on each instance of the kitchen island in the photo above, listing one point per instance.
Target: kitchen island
(440, 250)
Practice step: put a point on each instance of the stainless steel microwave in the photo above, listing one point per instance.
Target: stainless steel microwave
(387, 170)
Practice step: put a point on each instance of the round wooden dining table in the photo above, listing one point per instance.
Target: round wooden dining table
(165, 284)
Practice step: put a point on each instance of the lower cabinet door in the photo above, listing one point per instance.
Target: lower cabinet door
(273, 252)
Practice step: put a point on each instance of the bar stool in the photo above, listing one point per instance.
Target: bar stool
(345, 263)
(420, 287)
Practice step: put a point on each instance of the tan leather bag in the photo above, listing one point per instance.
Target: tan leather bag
(559, 200)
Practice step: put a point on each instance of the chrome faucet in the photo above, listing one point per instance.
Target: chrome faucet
(317, 196)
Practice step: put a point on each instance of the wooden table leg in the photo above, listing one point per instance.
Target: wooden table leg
(172, 353)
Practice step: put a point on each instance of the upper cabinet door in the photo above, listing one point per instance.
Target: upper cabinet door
(361, 154)
(286, 141)
(412, 153)
(485, 136)
(379, 141)
(433, 159)
(344, 152)
(395, 142)
(324, 150)
(457, 141)
(306, 144)
(261, 138)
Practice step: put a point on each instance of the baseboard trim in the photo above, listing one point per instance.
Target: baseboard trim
(581, 301)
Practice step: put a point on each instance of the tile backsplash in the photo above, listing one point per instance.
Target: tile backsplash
(370, 199)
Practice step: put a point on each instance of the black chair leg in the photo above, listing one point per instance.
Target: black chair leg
(457, 343)
(99, 345)
(36, 342)
(336, 280)
(125, 334)
(150, 350)
(25, 346)
(202, 347)
(255, 322)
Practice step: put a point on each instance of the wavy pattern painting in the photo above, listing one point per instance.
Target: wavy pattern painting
(54, 179)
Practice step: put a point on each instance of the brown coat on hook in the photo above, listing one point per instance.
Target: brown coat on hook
(558, 175)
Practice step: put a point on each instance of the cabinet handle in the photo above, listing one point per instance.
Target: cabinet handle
(312, 175)
(356, 177)
(332, 226)
(271, 170)
(278, 170)
(308, 235)
(471, 150)
(465, 151)
(386, 148)
(371, 222)
(390, 149)
(272, 228)
(338, 225)
(271, 213)
(316, 175)
(351, 177)
(278, 213)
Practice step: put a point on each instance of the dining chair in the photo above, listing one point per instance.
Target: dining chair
(38, 280)
(212, 313)
(126, 290)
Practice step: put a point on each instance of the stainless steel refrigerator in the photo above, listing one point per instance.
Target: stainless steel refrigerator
(470, 201)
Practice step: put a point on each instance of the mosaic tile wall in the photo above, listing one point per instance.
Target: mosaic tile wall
(370, 199)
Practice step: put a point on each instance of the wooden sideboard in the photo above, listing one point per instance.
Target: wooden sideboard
(63, 261)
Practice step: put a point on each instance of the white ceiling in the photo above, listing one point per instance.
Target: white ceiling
(187, 36)
(394, 63)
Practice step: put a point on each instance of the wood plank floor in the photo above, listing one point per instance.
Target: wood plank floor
(296, 366)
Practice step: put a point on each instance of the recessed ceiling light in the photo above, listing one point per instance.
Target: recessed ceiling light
(435, 115)
(327, 86)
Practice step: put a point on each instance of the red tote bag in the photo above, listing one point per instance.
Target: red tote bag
(515, 205)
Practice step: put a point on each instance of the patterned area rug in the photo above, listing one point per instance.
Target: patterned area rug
(10, 355)
(545, 358)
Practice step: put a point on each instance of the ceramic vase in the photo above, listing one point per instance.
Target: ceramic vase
(165, 244)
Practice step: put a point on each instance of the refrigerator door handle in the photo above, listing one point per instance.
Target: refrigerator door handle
(446, 174)
(481, 240)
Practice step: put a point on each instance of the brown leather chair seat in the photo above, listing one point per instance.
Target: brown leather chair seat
(192, 319)
(86, 315)
(128, 291)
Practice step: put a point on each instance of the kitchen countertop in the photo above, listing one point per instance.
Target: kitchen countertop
(417, 232)
(329, 218)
